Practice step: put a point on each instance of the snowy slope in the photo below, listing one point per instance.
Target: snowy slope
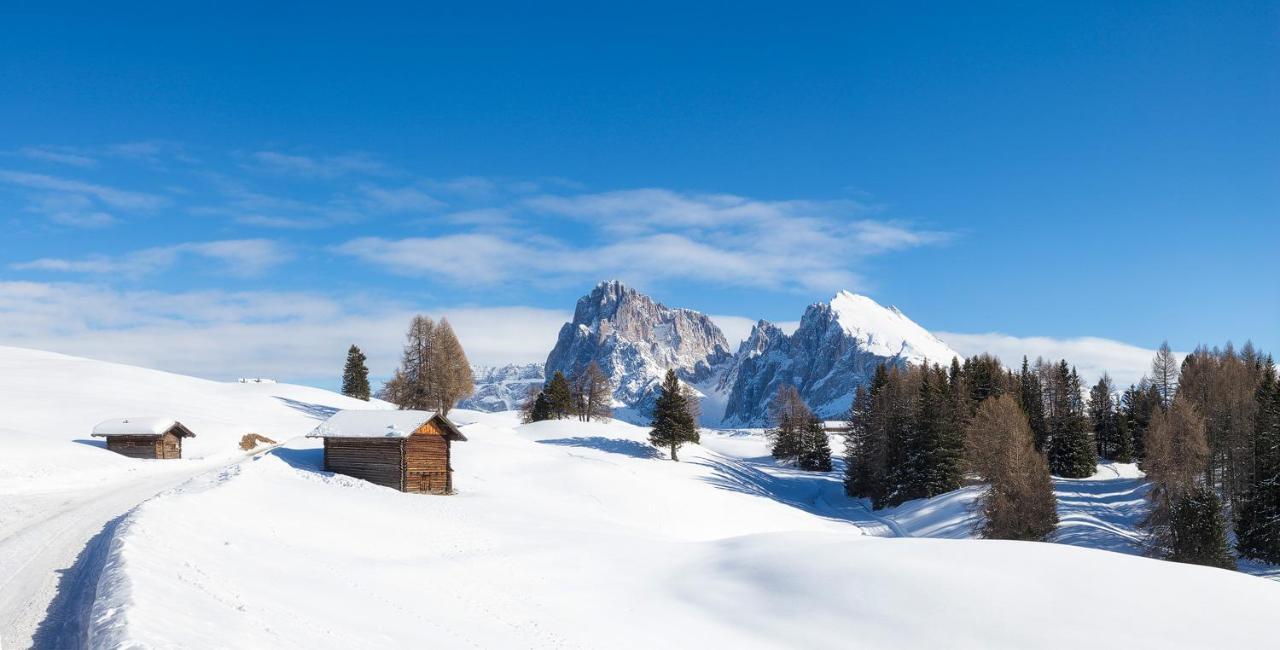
(62, 492)
(575, 535)
(49, 404)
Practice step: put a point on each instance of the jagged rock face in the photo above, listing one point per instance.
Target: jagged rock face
(836, 348)
(502, 388)
(635, 340)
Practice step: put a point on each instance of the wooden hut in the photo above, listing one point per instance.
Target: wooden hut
(144, 437)
(405, 450)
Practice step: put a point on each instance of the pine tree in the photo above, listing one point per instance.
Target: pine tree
(559, 396)
(1123, 450)
(1071, 452)
(1198, 531)
(940, 447)
(790, 416)
(1258, 516)
(815, 448)
(1102, 415)
(672, 426)
(355, 375)
(864, 447)
(1031, 399)
(541, 409)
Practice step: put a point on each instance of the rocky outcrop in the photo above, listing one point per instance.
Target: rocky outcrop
(635, 340)
(502, 388)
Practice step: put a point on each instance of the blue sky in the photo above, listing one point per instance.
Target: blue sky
(229, 189)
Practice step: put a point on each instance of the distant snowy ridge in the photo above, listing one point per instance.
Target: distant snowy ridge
(502, 388)
(836, 348)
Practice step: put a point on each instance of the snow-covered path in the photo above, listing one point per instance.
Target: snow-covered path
(51, 549)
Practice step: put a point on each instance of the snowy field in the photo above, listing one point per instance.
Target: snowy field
(562, 534)
(61, 491)
(572, 535)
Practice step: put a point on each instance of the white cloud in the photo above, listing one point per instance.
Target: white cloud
(116, 198)
(1092, 356)
(240, 257)
(399, 199)
(59, 155)
(316, 167)
(222, 335)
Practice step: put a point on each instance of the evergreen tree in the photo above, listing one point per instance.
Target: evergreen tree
(535, 407)
(1031, 399)
(559, 396)
(1258, 516)
(355, 375)
(1102, 415)
(865, 445)
(1071, 452)
(940, 447)
(790, 417)
(541, 409)
(1123, 451)
(672, 426)
(815, 448)
(1198, 531)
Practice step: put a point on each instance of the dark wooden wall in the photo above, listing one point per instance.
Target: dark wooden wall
(377, 460)
(134, 446)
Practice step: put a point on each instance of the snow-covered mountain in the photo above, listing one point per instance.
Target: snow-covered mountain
(837, 347)
(635, 340)
(502, 388)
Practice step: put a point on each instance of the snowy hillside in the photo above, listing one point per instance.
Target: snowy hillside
(61, 491)
(579, 535)
(51, 402)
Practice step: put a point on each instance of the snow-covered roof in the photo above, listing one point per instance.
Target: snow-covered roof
(148, 426)
(379, 423)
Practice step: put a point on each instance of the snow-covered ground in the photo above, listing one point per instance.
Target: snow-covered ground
(563, 534)
(62, 492)
(568, 534)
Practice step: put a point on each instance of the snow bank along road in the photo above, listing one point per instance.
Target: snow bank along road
(62, 494)
(51, 548)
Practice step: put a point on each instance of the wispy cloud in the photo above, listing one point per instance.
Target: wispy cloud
(111, 196)
(59, 155)
(284, 335)
(239, 257)
(315, 166)
(651, 234)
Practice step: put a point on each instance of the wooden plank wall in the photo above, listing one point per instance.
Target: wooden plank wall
(377, 460)
(427, 462)
(134, 446)
(169, 446)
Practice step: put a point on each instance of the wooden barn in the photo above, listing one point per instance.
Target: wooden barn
(405, 450)
(144, 437)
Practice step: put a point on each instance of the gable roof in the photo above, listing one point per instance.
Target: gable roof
(145, 426)
(378, 423)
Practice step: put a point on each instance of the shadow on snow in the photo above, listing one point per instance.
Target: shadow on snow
(630, 448)
(66, 621)
(317, 411)
(310, 460)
